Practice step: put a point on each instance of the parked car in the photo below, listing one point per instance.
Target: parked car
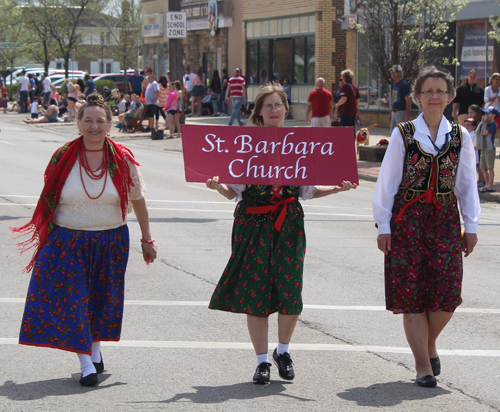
(117, 78)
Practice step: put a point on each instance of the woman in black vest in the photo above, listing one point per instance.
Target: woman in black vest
(428, 166)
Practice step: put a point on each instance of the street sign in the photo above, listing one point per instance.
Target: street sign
(9, 45)
(176, 25)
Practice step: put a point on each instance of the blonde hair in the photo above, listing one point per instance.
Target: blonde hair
(493, 76)
(267, 90)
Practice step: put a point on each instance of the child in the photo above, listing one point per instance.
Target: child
(475, 114)
(470, 124)
(122, 105)
(485, 141)
(5, 102)
(34, 108)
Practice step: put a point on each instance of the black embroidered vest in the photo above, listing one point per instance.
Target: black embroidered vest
(418, 174)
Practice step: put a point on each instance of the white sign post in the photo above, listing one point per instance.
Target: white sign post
(176, 26)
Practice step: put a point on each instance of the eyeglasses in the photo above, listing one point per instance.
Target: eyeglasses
(277, 106)
(430, 93)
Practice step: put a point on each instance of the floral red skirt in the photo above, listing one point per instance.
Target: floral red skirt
(424, 270)
(76, 292)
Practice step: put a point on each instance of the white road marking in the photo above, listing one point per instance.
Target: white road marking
(3, 141)
(296, 347)
(315, 307)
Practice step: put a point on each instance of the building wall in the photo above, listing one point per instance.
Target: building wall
(236, 39)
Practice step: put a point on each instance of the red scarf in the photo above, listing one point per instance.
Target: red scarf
(58, 169)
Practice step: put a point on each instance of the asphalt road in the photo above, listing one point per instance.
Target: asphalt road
(177, 355)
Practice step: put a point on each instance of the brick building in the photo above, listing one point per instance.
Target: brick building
(299, 41)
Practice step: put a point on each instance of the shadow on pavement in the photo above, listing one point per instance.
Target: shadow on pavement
(52, 387)
(239, 391)
(390, 393)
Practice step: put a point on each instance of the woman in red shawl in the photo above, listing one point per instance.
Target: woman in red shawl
(81, 240)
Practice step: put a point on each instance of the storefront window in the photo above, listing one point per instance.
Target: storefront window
(264, 61)
(252, 68)
(282, 59)
(311, 60)
(299, 61)
(373, 89)
(290, 58)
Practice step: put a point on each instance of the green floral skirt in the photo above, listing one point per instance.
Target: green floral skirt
(264, 272)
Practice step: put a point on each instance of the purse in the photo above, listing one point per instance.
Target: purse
(157, 134)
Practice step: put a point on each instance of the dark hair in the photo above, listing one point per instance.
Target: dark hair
(215, 74)
(52, 101)
(178, 85)
(163, 80)
(477, 110)
(267, 90)
(95, 99)
(224, 71)
(199, 72)
(431, 72)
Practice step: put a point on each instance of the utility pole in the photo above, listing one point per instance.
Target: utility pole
(175, 48)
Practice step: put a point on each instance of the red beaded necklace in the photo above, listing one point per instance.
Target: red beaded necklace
(93, 174)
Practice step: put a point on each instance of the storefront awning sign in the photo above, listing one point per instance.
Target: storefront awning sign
(268, 155)
(176, 25)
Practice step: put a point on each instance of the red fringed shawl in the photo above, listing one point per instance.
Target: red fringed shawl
(58, 169)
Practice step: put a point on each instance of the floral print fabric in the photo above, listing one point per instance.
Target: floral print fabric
(264, 272)
(76, 292)
(424, 270)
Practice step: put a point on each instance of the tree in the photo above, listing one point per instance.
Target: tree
(61, 18)
(10, 30)
(404, 32)
(495, 23)
(125, 29)
(37, 41)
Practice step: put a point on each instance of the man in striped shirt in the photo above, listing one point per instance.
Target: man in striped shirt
(236, 85)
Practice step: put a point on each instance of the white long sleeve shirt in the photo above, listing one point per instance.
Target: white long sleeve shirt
(391, 174)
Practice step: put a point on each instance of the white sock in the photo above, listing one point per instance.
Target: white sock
(261, 358)
(96, 352)
(282, 348)
(86, 365)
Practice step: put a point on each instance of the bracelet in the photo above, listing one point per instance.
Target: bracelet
(147, 241)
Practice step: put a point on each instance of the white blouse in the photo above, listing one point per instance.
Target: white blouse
(391, 174)
(305, 192)
(76, 210)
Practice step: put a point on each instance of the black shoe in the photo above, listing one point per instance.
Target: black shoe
(284, 364)
(427, 381)
(89, 380)
(262, 374)
(99, 367)
(436, 366)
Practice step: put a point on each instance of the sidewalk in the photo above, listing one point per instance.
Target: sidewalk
(366, 170)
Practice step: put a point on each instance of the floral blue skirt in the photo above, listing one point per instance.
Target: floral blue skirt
(76, 292)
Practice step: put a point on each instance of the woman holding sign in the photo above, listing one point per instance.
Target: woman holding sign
(264, 273)
(429, 166)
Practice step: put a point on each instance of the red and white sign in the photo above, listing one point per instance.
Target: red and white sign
(288, 156)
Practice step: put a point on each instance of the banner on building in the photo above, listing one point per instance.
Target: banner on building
(473, 55)
(291, 156)
(152, 25)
